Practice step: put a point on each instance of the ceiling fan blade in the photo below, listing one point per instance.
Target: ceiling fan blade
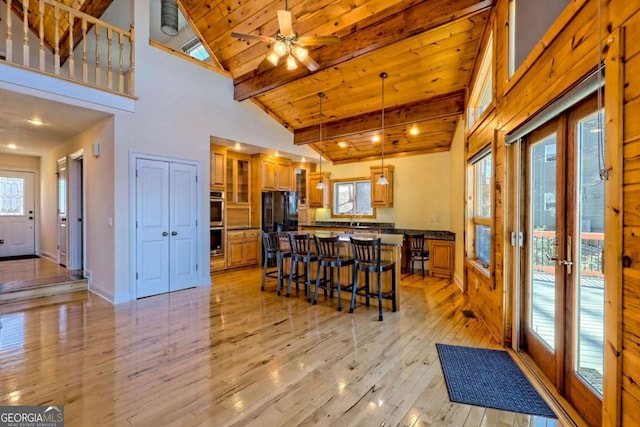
(309, 63)
(318, 40)
(244, 36)
(284, 22)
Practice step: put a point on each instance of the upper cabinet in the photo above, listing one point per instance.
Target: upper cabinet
(301, 173)
(238, 178)
(381, 195)
(217, 167)
(273, 173)
(319, 198)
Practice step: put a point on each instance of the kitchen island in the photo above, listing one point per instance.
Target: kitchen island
(391, 251)
(440, 243)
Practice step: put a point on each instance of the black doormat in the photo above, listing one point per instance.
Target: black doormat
(13, 258)
(489, 378)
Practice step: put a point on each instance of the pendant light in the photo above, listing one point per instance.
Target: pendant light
(320, 185)
(382, 180)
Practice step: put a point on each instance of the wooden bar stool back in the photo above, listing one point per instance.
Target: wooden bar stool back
(418, 251)
(301, 253)
(368, 259)
(273, 251)
(329, 257)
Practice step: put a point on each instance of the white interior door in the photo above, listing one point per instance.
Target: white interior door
(17, 213)
(166, 224)
(152, 227)
(63, 230)
(183, 224)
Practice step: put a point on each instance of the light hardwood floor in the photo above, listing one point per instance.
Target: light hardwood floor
(231, 355)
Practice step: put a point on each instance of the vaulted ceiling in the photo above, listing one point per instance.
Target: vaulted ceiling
(428, 49)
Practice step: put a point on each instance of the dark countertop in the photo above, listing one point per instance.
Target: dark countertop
(385, 228)
(385, 239)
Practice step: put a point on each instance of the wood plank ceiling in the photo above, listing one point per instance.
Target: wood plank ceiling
(428, 48)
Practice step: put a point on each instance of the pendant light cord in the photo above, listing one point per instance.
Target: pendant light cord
(383, 76)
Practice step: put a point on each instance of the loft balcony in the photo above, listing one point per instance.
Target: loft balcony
(60, 41)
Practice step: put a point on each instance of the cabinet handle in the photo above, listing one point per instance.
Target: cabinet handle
(174, 233)
(165, 234)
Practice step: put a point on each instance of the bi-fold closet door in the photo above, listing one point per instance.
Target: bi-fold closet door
(166, 226)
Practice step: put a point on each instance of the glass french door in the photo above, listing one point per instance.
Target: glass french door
(562, 313)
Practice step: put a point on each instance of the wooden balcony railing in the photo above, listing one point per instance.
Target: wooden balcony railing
(103, 58)
(591, 252)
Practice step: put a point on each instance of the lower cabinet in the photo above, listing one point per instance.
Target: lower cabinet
(441, 256)
(242, 247)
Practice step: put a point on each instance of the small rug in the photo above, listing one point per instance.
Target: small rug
(16, 257)
(489, 378)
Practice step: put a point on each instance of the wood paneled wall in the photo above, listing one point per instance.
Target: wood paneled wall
(568, 52)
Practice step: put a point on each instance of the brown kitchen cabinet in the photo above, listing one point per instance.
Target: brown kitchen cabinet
(238, 178)
(319, 198)
(242, 247)
(441, 258)
(301, 173)
(381, 195)
(217, 167)
(273, 173)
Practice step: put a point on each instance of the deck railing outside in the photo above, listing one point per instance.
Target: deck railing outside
(105, 55)
(592, 252)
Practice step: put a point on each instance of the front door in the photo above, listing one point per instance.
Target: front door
(17, 213)
(563, 307)
(166, 229)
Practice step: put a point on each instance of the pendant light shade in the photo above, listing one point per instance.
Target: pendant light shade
(320, 185)
(169, 17)
(383, 179)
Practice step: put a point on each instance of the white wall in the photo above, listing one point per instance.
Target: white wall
(18, 161)
(422, 190)
(99, 202)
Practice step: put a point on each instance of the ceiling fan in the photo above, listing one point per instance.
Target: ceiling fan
(287, 43)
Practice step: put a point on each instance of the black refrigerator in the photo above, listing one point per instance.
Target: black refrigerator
(279, 211)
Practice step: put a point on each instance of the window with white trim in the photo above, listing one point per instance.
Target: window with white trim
(482, 92)
(352, 198)
(479, 179)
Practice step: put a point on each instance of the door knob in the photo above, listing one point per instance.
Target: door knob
(174, 233)
(1, 241)
(165, 234)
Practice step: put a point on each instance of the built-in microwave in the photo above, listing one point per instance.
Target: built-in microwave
(216, 209)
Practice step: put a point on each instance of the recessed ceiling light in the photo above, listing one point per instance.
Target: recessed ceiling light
(376, 138)
(12, 146)
(36, 122)
(414, 130)
(342, 144)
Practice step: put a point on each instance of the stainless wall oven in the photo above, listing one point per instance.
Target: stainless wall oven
(216, 201)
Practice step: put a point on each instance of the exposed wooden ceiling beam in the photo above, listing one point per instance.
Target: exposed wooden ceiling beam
(451, 104)
(422, 17)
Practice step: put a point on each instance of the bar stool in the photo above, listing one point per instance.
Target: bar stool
(367, 256)
(418, 252)
(301, 252)
(329, 257)
(273, 251)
